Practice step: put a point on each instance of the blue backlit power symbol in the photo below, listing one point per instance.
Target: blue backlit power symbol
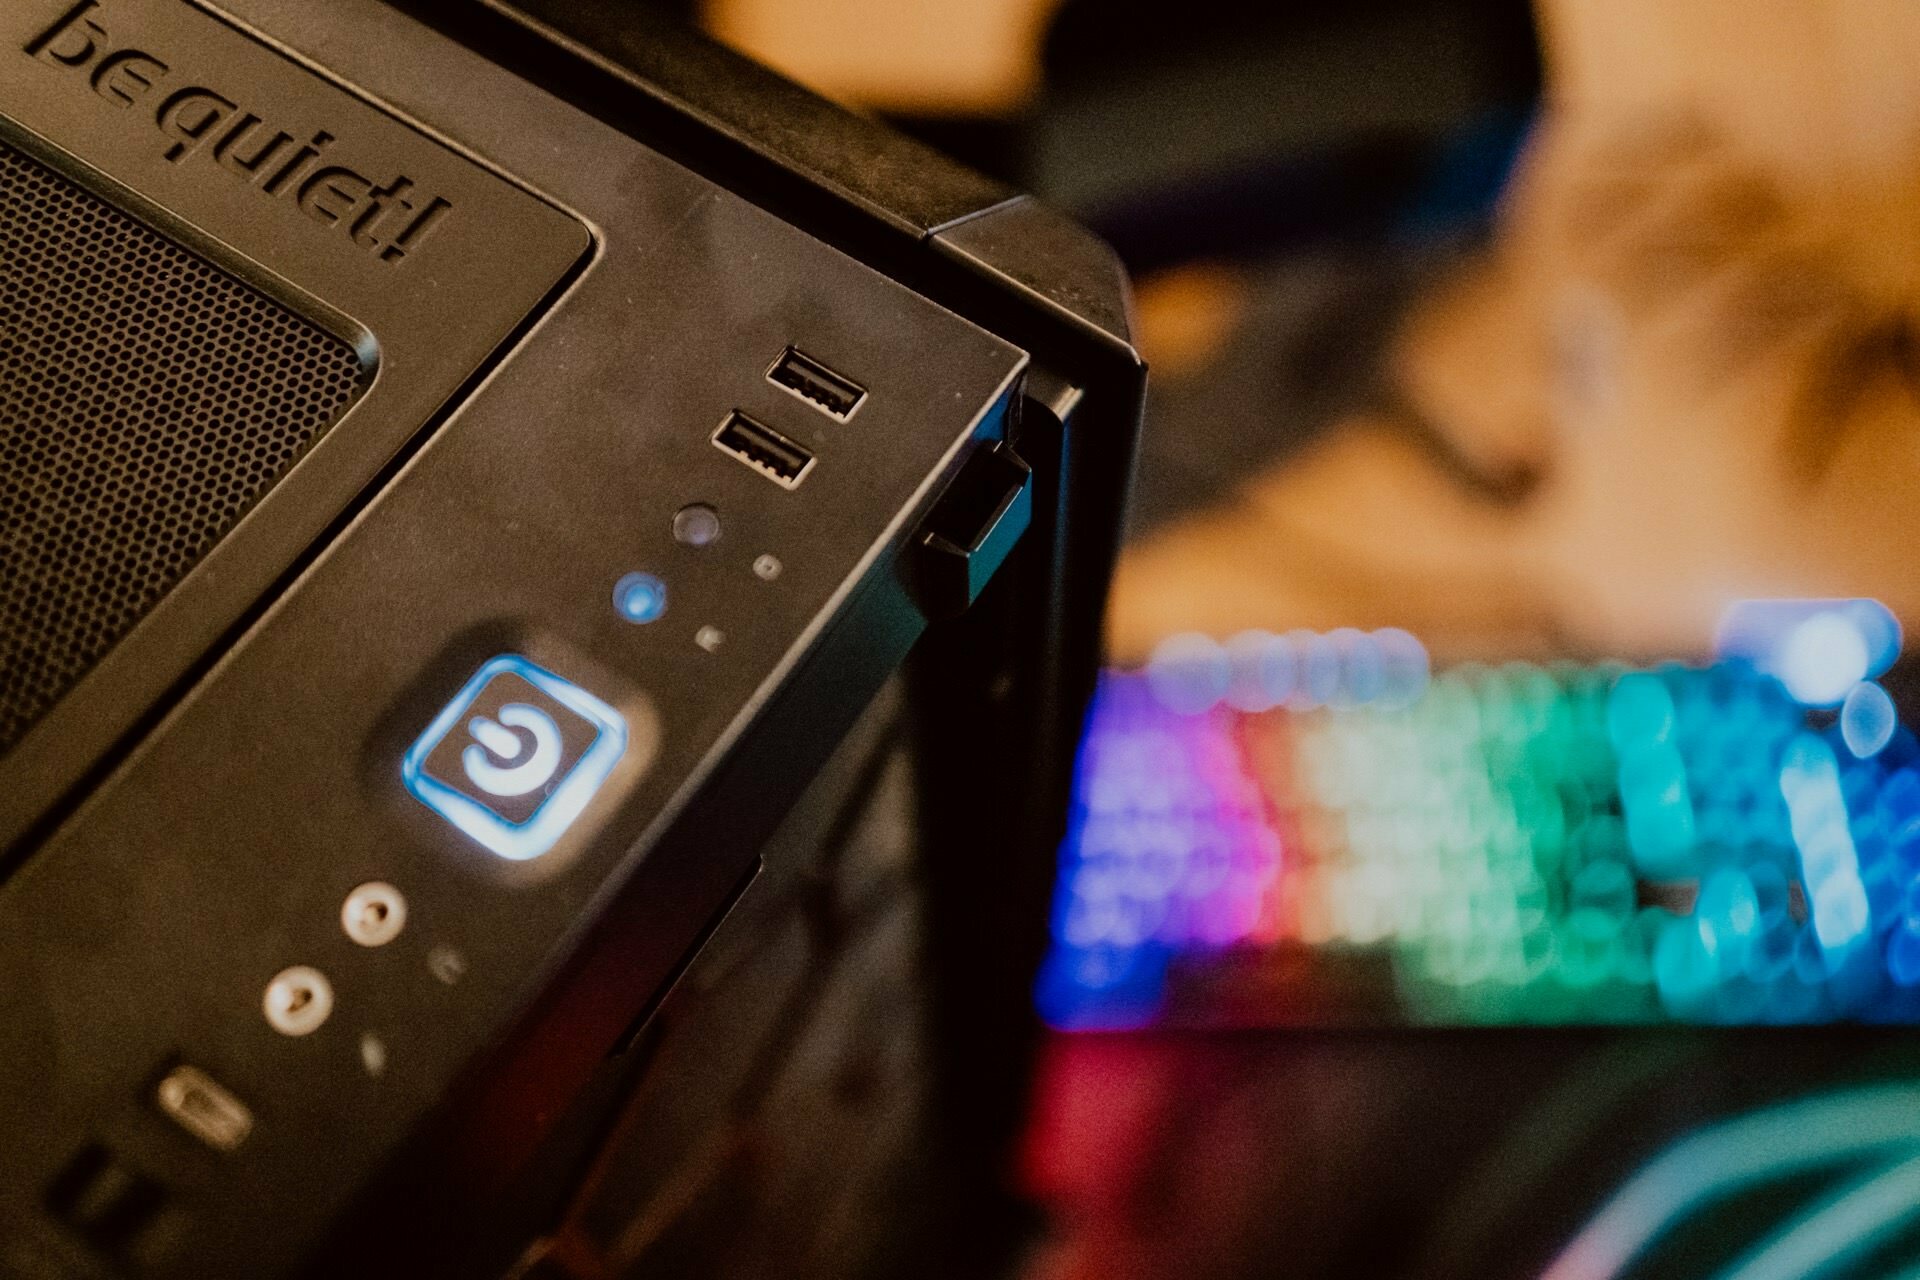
(515, 757)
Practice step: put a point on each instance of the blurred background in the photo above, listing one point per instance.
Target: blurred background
(1496, 838)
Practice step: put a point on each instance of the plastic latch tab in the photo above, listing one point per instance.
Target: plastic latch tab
(972, 529)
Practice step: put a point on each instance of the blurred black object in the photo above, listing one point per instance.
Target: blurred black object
(1342, 156)
(1223, 129)
(1220, 129)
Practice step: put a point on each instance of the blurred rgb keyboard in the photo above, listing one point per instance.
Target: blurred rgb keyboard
(1520, 844)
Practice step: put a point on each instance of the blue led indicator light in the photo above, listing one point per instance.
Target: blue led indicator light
(515, 757)
(640, 597)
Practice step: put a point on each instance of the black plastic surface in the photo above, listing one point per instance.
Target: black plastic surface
(138, 99)
(147, 926)
(1009, 682)
(219, 851)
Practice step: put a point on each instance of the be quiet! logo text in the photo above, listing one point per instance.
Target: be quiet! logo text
(197, 124)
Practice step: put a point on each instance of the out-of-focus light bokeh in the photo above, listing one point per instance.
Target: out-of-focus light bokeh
(1311, 828)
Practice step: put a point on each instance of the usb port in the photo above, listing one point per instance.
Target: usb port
(764, 449)
(819, 386)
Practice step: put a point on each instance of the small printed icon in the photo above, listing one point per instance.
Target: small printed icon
(514, 758)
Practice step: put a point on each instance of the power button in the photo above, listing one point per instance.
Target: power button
(515, 757)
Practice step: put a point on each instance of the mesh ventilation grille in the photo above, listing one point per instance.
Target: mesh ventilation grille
(147, 399)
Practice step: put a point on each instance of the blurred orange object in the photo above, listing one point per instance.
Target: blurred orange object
(915, 57)
(1684, 374)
